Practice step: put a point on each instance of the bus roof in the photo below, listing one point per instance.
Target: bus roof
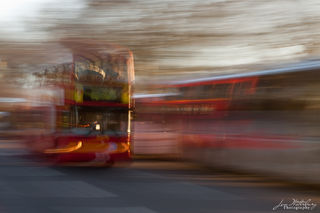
(302, 66)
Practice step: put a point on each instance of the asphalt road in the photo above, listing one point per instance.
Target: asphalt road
(143, 186)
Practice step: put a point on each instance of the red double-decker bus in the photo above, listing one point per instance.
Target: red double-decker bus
(265, 121)
(93, 124)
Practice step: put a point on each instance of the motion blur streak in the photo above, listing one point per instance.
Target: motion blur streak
(193, 106)
(75, 147)
(264, 121)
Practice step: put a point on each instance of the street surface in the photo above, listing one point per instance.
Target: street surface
(143, 186)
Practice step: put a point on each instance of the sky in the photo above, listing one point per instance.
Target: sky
(14, 13)
(17, 16)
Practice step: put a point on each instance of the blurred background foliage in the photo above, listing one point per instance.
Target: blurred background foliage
(170, 39)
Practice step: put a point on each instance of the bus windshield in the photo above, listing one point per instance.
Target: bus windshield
(110, 121)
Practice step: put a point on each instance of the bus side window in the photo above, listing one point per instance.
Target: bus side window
(186, 92)
(207, 91)
(190, 93)
(200, 92)
(237, 89)
(242, 88)
(221, 90)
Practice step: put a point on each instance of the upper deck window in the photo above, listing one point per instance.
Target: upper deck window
(209, 91)
(102, 71)
(221, 90)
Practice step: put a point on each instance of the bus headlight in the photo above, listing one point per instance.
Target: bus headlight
(97, 127)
